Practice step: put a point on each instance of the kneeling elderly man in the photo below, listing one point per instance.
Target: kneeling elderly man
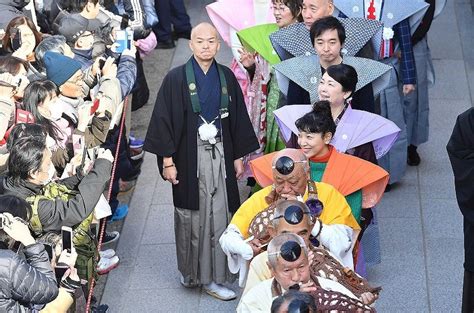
(289, 264)
(294, 217)
(335, 227)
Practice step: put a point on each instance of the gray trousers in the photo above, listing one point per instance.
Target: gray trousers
(416, 104)
(394, 162)
(200, 257)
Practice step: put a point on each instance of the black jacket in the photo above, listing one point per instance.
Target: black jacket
(173, 132)
(54, 214)
(26, 281)
(461, 154)
(10, 9)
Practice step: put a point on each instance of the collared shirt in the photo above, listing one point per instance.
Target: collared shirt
(407, 60)
(209, 92)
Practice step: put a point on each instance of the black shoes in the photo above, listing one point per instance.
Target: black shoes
(165, 44)
(413, 158)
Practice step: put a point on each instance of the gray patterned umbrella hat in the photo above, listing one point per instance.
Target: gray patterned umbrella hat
(294, 40)
(306, 72)
(394, 11)
(370, 71)
(358, 32)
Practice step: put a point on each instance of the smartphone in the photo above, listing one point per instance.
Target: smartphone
(16, 39)
(59, 270)
(101, 63)
(95, 106)
(123, 39)
(49, 250)
(66, 235)
(15, 246)
(124, 23)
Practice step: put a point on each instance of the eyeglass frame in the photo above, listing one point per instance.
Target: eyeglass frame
(281, 7)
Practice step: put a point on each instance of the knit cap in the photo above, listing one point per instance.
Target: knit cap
(59, 68)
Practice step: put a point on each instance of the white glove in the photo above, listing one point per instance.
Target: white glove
(232, 242)
(337, 238)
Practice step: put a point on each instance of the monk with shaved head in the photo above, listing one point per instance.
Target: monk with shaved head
(332, 223)
(200, 131)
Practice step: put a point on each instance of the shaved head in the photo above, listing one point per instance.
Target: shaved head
(204, 43)
(293, 183)
(203, 28)
(294, 154)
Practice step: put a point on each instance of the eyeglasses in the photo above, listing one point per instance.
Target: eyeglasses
(280, 8)
(77, 81)
(290, 251)
(293, 215)
(285, 165)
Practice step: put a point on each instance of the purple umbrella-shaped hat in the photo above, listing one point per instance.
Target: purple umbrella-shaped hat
(354, 129)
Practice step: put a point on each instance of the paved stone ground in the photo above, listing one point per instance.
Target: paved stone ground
(420, 224)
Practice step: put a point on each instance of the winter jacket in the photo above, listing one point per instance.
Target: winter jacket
(54, 214)
(10, 9)
(134, 9)
(127, 74)
(24, 282)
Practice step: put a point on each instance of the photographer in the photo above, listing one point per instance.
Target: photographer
(68, 202)
(23, 282)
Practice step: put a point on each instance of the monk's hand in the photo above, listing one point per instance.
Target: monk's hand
(308, 287)
(408, 88)
(170, 173)
(246, 58)
(239, 168)
(256, 246)
(368, 297)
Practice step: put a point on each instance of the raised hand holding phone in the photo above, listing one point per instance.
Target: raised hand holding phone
(17, 229)
(84, 116)
(68, 257)
(110, 68)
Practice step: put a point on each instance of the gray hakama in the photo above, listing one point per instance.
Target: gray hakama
(200, 257)
(394, 162)
(416, 104)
